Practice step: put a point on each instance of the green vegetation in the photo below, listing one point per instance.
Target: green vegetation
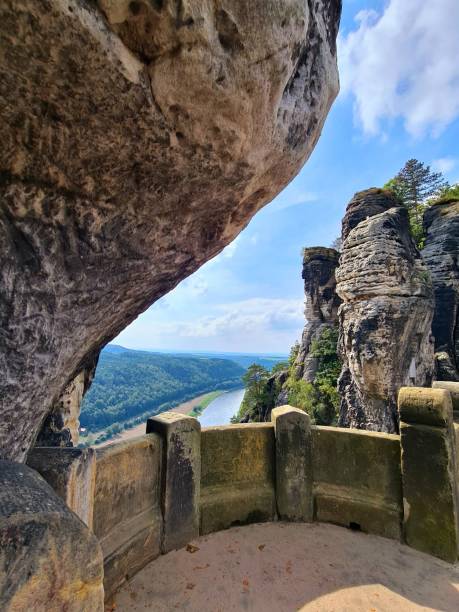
(417, 187)
(199, 409)
(131, 385)
(256, 396)
(449, 194)
(320, 398)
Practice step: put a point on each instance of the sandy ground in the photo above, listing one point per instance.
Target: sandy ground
(282, 567)
(139, 430)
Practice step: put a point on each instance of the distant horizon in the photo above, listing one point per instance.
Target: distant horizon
(197, 352)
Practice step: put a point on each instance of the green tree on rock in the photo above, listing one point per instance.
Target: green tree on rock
(414, 184)
(255, 384)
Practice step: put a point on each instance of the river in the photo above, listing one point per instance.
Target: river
(223, 407)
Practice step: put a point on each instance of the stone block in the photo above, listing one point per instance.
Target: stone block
(429, 476)
(181, 436)
(238, 476)
(452, 387)
(294, 478)
(71, 472)
(357, 480)
(127, 507)
(49, 560)
(425, 406)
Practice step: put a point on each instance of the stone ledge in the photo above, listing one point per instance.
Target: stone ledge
(452, 387)
(431, 407)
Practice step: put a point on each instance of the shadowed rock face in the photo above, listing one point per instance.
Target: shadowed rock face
(138, 139)
(322, 303)
(62, 425)
(385, 319)
(441, 256)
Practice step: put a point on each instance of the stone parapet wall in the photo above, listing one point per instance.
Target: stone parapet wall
(127, 512)
(161, 490)
(357, 479)
(238, 476)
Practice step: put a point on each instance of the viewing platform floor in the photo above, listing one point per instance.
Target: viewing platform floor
(284, 567)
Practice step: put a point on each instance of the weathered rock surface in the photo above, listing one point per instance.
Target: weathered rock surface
(385, 319)
(71, 473)
(138, 139)
(62, 425)
(441, 256)
(322, 303)
(49, 560)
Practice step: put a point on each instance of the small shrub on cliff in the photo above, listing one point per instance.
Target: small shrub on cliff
(449, 194)
(320, 398)
(256, 394)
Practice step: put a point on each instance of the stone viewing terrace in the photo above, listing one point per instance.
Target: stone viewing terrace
(160, 507)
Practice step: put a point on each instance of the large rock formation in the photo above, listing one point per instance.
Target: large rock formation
(138, 139)
(49, 559)
(386, 315)
(322, 303)
(441, 256)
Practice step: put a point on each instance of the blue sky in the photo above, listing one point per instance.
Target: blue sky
(399, 99)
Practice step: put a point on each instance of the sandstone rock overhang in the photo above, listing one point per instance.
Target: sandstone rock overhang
(138, 139)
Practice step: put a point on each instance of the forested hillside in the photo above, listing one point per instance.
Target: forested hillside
(129, 383)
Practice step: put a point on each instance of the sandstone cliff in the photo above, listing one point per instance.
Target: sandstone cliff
(321, 311)
(386, 315)
(322, 303)
(61, 426)
(441, 256)
(138, 139)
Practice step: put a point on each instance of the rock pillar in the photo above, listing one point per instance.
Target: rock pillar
(441, 256)
(180, 494)
(322, 303)
(385, 319)
(429, 475)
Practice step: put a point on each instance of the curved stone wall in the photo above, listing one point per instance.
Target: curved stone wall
(161, 490)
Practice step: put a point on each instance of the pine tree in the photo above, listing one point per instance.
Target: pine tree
(413, 186)
(416, 183)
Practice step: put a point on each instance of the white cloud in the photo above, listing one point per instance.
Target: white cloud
(292, 196)
(444, 164)
(241, 318)
(403, 63)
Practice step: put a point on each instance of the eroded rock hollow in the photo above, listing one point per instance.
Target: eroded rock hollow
(441, 256)
(138, 139)
(386, 316)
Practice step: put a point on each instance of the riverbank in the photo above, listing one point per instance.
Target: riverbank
(184, 408)
(222, 409)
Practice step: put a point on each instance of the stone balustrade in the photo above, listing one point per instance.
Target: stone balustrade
(156, 493)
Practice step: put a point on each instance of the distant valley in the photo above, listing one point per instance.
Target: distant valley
(131, 385)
